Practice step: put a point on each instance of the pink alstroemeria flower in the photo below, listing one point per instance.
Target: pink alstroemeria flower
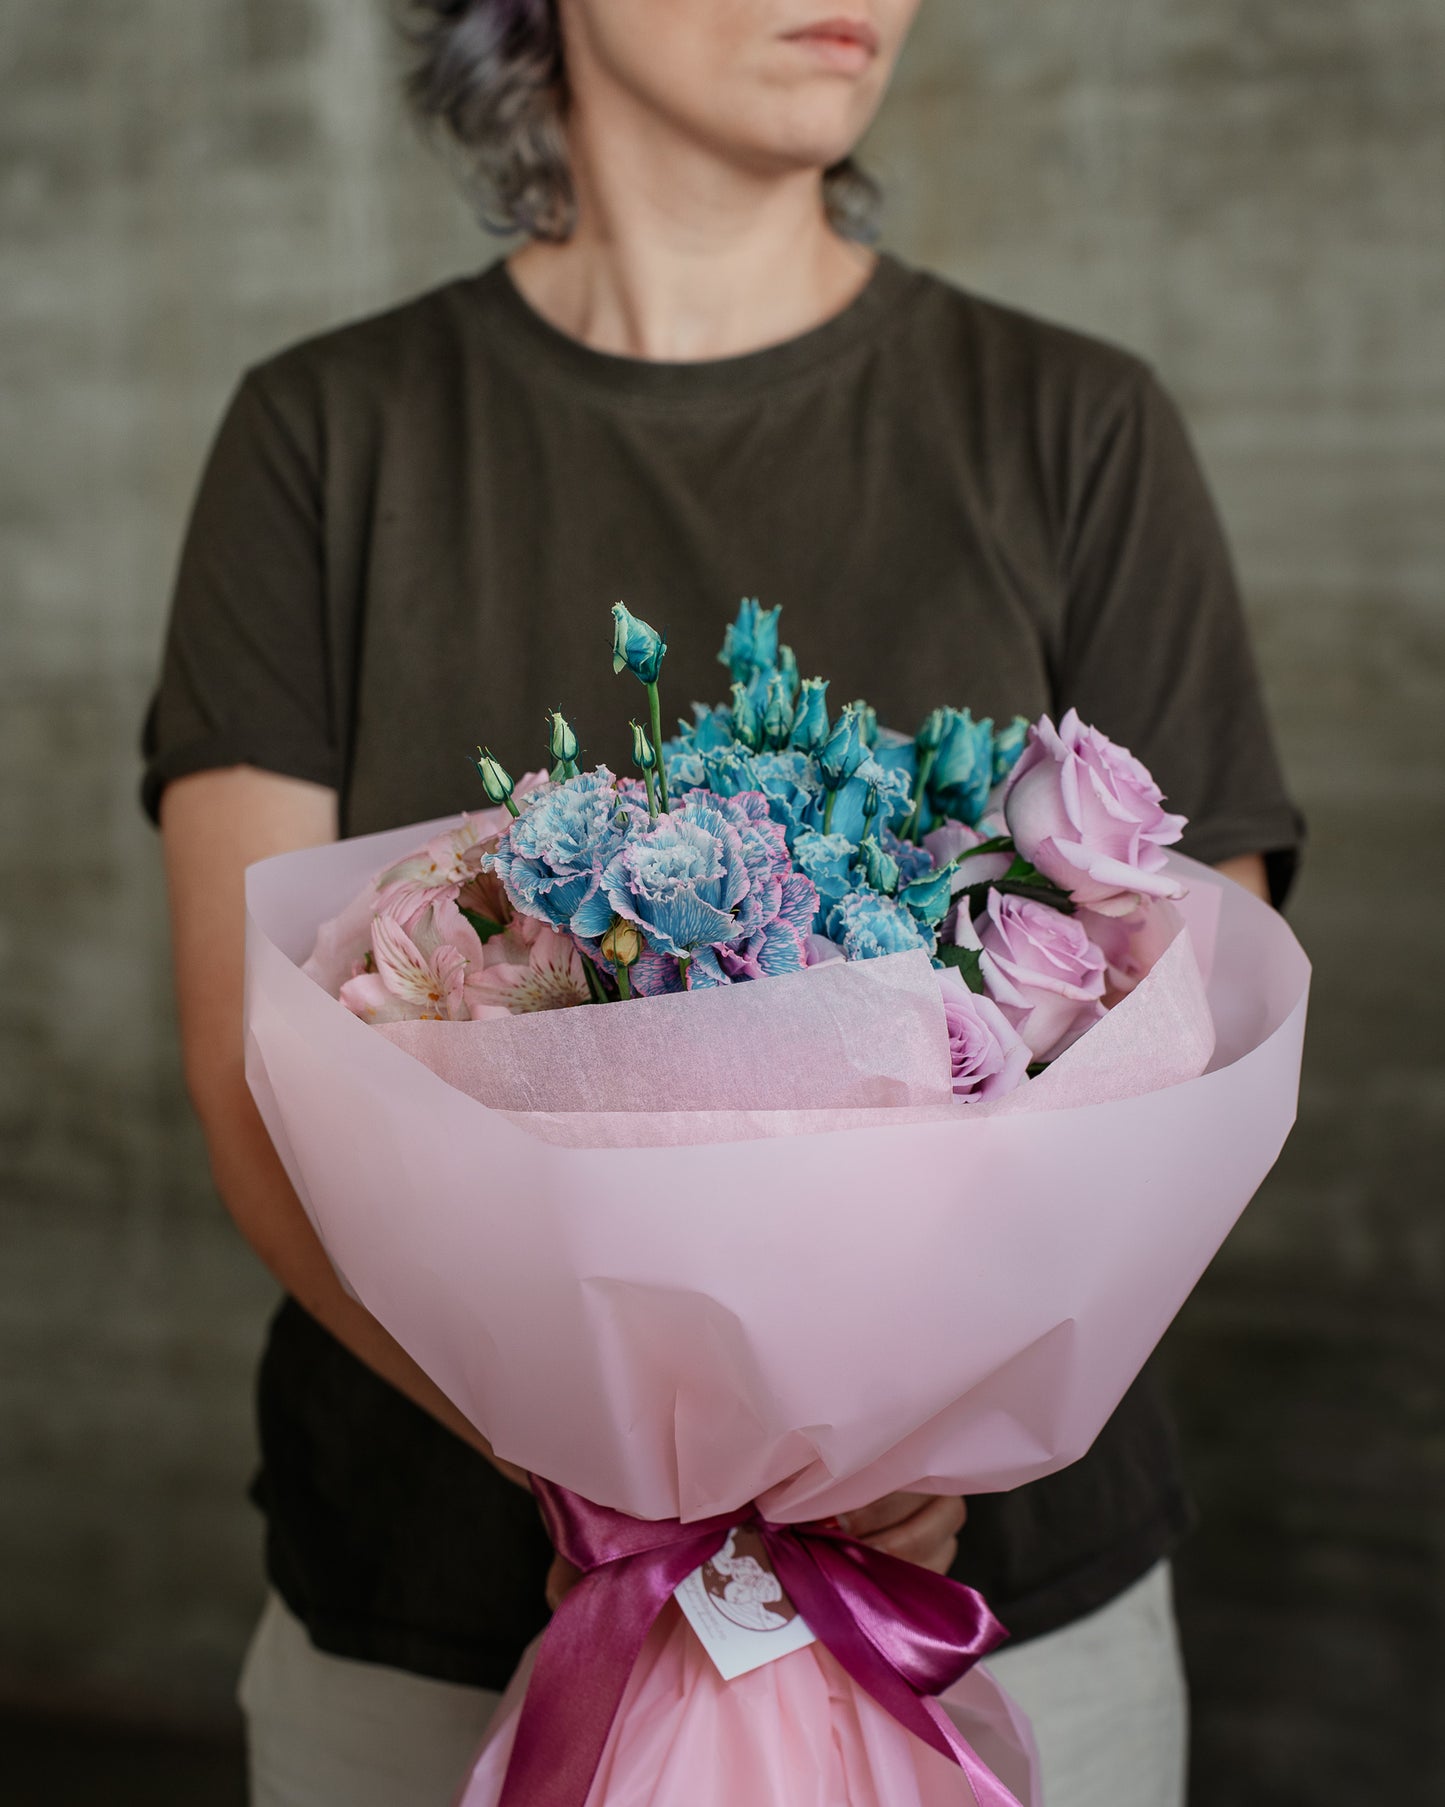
(531, 967)
(422, 970)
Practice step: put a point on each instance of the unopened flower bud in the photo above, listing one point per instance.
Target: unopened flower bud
(496, 781)
(644, 756)
(747, 723)
(930, 735)
(810, 719)
(636, 645)
(561, 741)
(777, 712)
(622, 945)
(867, 721)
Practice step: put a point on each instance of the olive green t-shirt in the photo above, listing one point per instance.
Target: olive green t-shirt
(407, 540)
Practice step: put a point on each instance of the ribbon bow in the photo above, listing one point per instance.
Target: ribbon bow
(901, 1632)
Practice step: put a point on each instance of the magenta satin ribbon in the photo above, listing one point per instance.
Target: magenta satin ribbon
(901, 1632)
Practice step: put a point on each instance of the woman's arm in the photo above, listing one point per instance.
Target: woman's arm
(213, 825)
(1247, 869)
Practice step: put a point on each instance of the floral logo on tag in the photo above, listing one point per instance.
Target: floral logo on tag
(742, 1586)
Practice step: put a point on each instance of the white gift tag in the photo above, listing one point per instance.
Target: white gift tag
(737, 1607)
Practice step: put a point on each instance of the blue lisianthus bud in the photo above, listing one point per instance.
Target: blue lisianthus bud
(843, 751)
(751, 642)
(636, 645)
(867, 721)
(1008, 747)
(788, 666)
(930, 735)
(496, 781)
(880, 869)
(810, 718)
(777, 712)
(561, 741)
(929, 896)
(962, 774)
(747, 720)
(644, 756)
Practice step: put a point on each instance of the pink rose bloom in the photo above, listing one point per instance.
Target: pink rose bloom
(950, 839)
(1122, 942)
(988, 1055)
(1041, 968)
(1089, 816)
(421, 969)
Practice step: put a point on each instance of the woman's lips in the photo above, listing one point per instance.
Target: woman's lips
(847, 45)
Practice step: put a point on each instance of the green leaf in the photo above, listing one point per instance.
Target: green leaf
(965, 962)
(484, 925)
(1035, 1067)
(1038, 890)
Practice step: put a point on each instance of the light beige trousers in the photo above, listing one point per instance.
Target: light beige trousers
(1106, 1697)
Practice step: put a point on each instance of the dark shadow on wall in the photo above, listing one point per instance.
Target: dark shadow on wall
(56, 1762)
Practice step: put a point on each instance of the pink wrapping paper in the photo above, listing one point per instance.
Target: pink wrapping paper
(841, 1291)
(796, 1733)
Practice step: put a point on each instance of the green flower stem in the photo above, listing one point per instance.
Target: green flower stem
(512, 807)
(650, 782)
(920, 784)
(624, 984)
(684, 962)
(594, 981)
(828, 812)
(654, 710)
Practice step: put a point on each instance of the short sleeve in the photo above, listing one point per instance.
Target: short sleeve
(1155, 649)
(245, 675)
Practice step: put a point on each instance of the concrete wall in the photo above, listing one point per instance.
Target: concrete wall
(1251, 195)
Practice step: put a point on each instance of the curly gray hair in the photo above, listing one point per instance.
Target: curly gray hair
(490, 74)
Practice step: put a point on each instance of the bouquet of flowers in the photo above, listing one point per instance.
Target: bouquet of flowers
(1014, 1072)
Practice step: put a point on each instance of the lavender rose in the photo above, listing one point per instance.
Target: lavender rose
(1041, 969)
(988, 1054)
(1088, 815)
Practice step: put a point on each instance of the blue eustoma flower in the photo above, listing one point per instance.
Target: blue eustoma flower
(635, 645)
(867, 926)
(780, 946)
(843, 752)
(810, 718)
(751, 642)
(929, 896)
(711, 875)
(682, 881)
(880, 869)
(790, 785)
(962, 774)
(827, 859)
(788, 666)
(1008, 747)
(851, 807)
(551, 859)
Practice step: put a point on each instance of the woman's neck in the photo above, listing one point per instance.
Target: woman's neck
(679, 257)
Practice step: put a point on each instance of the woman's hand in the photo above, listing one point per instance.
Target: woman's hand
(918, 1527)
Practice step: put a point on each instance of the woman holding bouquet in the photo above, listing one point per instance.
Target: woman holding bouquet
(692, 382)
